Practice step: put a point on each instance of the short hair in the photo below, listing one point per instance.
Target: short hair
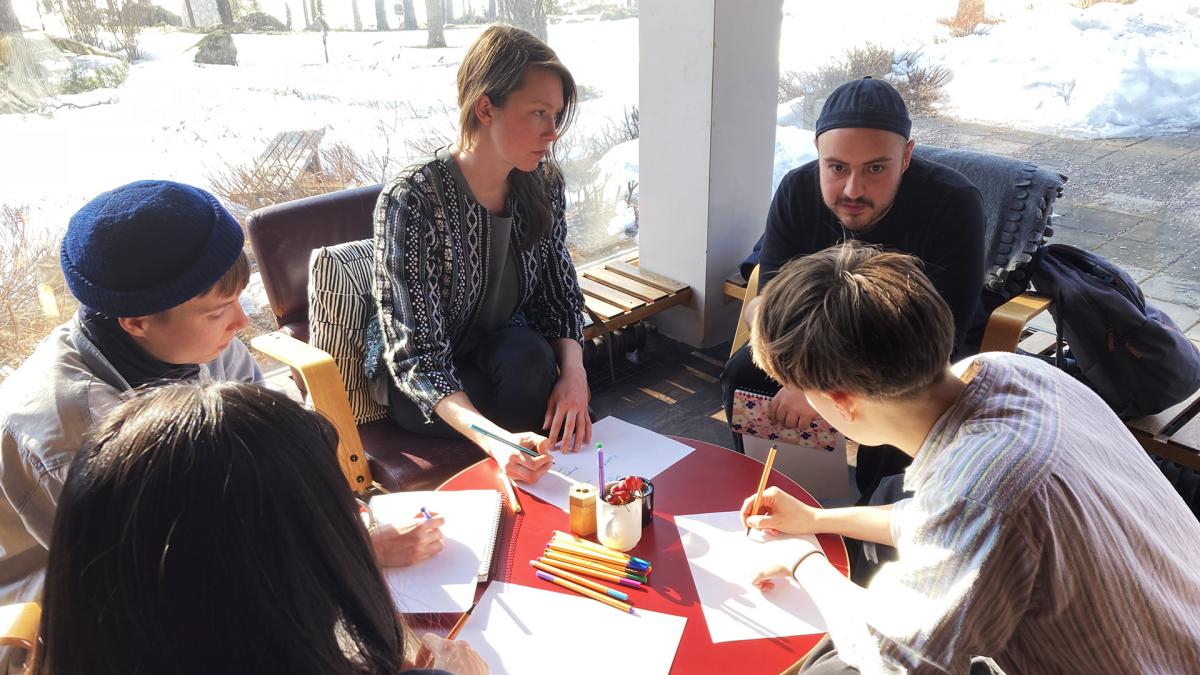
(856, 319)
(235, 279)
(206, 527)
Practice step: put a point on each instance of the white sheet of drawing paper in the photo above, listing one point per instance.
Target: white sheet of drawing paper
(525, 631)
(446, 582)
(629, 450)
(724, 560)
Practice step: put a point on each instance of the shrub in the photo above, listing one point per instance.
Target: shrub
(33, 297)
(1084, 4)
(87, 75)
(259, 22)
(920, 86)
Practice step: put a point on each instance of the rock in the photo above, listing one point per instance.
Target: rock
(217, 49)
(258, 22)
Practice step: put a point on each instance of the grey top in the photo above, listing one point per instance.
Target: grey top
(501, 291)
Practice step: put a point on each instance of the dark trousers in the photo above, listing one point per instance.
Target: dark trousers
(508, 376)
(874, 462)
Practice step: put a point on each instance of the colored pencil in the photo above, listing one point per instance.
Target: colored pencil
(595, 574)
(602, 562)
(582, 581)
(572, 586)
(583, 562)
(495, 437)
(559, 534)
(462, 621)
(600, 462)
(762, 484)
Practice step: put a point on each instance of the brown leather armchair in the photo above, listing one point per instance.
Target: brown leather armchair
(283, 237)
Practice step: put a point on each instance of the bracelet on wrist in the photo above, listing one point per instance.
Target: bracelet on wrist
(804, 557)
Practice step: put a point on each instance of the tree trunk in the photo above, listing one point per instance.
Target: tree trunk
(187, 4)
(448, 11)
(307, 19)
(410, 15)
(491, 13)
(226, 12)
(25, 84)
(357, 16)
(381, 22)
(434, 23)
(527, 14)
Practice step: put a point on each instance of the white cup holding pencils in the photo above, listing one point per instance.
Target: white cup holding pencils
(618, 526)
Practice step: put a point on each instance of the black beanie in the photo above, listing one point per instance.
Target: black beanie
(866, 104)
(148, 246)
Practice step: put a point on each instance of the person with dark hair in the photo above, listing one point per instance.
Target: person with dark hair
(157, 268)
(1038, 535)
(207, 527)
(867, 186)
(480, 314)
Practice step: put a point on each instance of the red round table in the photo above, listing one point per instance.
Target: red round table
(709, 479)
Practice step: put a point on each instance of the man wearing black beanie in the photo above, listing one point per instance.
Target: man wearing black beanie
(867, 186)
(157, 268)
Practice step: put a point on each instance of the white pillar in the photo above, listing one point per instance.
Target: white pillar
(709, 73)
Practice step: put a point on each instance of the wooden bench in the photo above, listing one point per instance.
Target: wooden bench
(617, 293)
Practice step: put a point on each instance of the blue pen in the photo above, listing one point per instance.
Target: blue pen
(425, 512)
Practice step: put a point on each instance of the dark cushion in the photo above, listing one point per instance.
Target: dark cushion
(402, 460)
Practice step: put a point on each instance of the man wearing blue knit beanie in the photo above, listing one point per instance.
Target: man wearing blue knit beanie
(157, 268)
(866, 185)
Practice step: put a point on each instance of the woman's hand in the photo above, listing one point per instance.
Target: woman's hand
(567, 410)
(452, 656)
(516, 464)
(783, 513)
(766, 577)
(790, 408)
(404, 544)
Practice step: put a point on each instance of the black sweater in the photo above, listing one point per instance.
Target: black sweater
(937, 217)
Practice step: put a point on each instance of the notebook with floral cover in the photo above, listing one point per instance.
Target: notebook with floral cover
(750, 417)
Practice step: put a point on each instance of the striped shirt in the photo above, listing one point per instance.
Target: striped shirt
(1039, 534)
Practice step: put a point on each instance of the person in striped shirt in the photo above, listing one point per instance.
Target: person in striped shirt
(1039, 537)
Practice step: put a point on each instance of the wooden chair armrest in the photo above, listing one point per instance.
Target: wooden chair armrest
(742, 335)
(19, 625)
(1004, 326)
(328, 395)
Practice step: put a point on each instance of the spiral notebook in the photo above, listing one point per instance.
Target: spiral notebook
(446, 582)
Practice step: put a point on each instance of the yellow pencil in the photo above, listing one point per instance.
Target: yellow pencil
(462, 621)
(762, 484)
(512, 492)
(586, 553)
(595, 574)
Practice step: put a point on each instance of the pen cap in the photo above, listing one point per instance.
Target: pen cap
(582, 511)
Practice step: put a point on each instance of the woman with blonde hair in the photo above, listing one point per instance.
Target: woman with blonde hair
(480, 313)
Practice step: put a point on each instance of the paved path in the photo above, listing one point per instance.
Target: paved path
(1135, 201)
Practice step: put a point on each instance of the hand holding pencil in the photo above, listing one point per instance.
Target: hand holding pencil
(780, 513)
(522, 456)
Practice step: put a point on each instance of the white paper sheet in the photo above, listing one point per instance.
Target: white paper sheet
(446, 582)
(724, 560)
(526, 631)
(629, 450)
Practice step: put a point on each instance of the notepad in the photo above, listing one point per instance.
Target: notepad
(446, 582)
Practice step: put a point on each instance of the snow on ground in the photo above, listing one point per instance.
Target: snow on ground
(1046, 65)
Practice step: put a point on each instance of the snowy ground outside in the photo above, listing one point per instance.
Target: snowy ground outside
(1047, 66)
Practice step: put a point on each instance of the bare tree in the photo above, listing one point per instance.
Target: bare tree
(434, 22)
(527, 14)
(410, 15)
(357, 16)
(491, 11)
(187, 4)
(381, 22)
(304, 7)
(226, 12)
(26, 86)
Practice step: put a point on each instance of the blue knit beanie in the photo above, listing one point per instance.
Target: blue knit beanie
(867, 103)
(148, 246)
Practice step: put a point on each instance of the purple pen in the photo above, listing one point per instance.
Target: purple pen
(600, 461)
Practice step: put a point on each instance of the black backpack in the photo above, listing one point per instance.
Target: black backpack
(1127, 351)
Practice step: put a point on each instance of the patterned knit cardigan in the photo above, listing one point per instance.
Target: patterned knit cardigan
(431, 270)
